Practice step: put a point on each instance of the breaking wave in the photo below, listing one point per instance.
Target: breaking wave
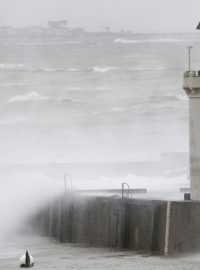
(34, 96)
(58, 69)
(147, 69)
(96, 69)
(8, 66)
(133, 41)
(169, 97)
(24, 68)
(104, 69)
(31, 96)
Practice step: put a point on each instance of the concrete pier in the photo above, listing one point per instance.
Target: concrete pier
(164, 227)
(191, 85)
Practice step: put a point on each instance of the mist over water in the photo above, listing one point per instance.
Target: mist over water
(21, 195)
(91, 98)
(69, 102)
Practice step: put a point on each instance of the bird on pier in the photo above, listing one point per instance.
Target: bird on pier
(26, 260)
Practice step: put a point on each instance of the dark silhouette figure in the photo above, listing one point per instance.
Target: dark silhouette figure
(27, 260)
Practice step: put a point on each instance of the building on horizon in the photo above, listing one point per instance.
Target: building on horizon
(57, 24)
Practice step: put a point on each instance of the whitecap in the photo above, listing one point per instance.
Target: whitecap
(60, 69)
(170, 97)
(104, 69)
(73, 69)
(182, 97)
(31, 96)
(135, 41)
(148, 69)
(9, 66)
(23, 68)
(34, 96)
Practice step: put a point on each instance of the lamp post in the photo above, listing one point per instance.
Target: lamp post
(125, 184)
(65, 180)
(189, 57)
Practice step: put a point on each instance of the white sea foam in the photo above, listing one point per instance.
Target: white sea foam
(132, 41)
(73, 69)
(98, 88)
(34, 96)
(176, 97)
(31, 96)
(58, 69)
(104, 69)
(147, 68)
(9, 66)
(169, 97)
(158, 187)
(24, 68)
(182, 97)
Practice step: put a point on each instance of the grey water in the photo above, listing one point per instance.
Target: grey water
(92, 106)
(94, 98)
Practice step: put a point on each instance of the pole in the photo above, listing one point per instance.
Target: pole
(65, 181)
(189, 57)
(123, 184)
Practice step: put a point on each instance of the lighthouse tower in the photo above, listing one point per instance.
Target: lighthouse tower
(191, 84)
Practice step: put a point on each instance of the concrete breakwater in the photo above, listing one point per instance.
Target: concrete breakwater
(141, 225)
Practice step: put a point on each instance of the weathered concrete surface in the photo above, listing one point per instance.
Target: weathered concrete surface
(129, 223)
(109, 222)
(144, 227)
(191, 85)
(184, 227)
(133, 224)
(98, 222)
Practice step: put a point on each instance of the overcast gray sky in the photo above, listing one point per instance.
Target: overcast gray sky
(135, 15)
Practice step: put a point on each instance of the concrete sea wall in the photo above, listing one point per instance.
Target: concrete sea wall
(141, 225)
(102, 221)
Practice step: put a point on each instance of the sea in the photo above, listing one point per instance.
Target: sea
(93, 110)
(94, 97)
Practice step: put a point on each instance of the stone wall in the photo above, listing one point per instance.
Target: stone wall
(101, 221)
(129, 223)
(144, 225)
(184, 227)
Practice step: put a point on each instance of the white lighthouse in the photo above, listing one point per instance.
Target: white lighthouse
(191, 85)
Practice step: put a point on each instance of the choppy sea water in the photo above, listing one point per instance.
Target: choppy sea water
(89, 106)
(51, 255)
(93, 98)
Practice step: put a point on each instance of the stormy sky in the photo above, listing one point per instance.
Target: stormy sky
(134, 15)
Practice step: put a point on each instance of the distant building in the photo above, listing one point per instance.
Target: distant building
(57, 24)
